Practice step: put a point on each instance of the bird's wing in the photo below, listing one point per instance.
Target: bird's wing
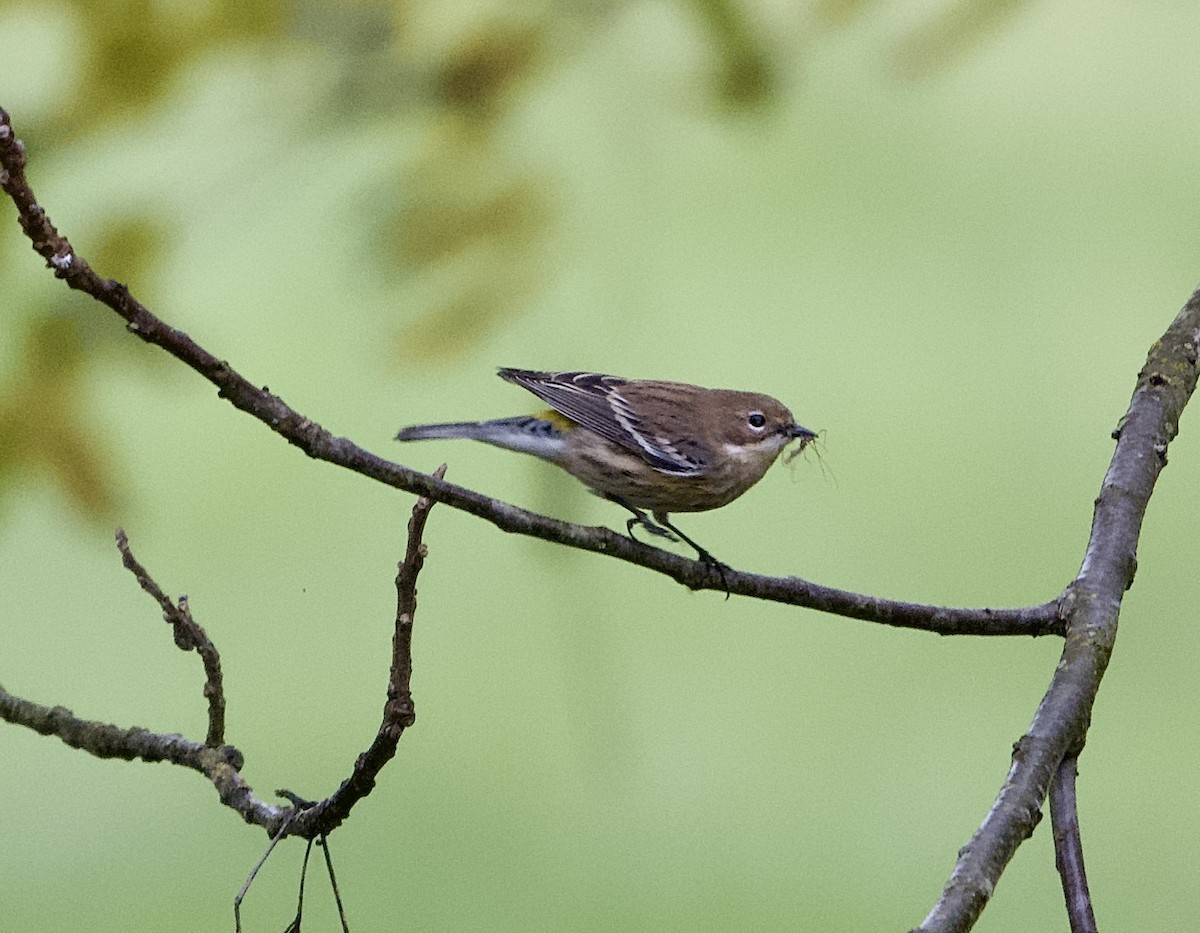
(595, 402)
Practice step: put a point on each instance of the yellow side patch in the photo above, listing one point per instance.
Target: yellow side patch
(559, 420)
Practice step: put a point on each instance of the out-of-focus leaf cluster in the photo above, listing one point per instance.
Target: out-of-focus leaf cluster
(465, 225)
(48, 430)
(45, 436)
(131, 50)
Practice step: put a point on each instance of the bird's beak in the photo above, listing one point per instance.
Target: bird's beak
(795, 430)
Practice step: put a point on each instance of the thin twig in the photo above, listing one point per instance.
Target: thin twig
(189, 636)
(1068, 847)
(318, 443)
(222, 764)
(218, 762)
(316, 820)
(398, 712)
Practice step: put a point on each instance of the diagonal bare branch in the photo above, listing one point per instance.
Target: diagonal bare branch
(314, 440)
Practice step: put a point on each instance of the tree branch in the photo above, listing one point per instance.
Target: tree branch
(1091, 610)
(222, 764)
(398, 711)
(1086, 614)
(104, 740)
(1068, 847)
(314, 440)
(189, 636)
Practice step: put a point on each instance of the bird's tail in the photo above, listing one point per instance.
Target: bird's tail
(426, 432)
(526, 434)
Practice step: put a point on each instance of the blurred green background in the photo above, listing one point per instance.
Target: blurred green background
(944, 233)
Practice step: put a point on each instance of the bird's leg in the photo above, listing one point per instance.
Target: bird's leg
(704, 555)
(640, 518)
(663, 528)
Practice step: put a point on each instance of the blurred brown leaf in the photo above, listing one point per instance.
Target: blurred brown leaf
(44, 431)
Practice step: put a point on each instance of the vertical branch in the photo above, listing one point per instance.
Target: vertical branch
(398, 711)
(1068, 847)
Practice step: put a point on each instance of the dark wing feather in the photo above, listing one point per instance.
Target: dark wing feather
(594, 401)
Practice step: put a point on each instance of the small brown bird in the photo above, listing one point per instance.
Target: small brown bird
(646, 445)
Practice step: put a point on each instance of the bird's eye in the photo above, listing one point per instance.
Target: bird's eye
(757, 419)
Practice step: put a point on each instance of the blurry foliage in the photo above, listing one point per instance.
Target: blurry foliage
(131, 50)
(472, 226)
(835, 13)
(131, 244)
(478, 245)
(466, 230)
(46, 431)
(745, 73)
(954, 31)
(44, 434)
(480, 70)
